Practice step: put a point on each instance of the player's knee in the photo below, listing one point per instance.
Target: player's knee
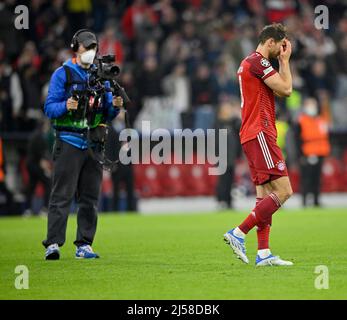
(287, 192)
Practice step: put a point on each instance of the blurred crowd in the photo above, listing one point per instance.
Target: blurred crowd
(187, 51)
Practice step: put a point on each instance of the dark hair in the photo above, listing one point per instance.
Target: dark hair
(276, 31)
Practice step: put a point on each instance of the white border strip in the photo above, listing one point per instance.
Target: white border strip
(265, 150)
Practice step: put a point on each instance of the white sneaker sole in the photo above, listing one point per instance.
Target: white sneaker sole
(267, 263)
(239, 254)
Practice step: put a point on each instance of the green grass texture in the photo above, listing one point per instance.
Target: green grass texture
(180, 256)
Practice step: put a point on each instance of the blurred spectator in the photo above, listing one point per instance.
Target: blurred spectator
(313, 141)
(228, 118)
(282, 130)
(177, 86)
(342, 68)
(168, 18)
(138, 24)
(193, 45)
(2, 51)
(317, 78)
(127, 79)
(224, 84)
(202, 87)
(150, 50)
(6, 206)
(28, 65)
(78, 11)
(318, 44)
(39, 166)
(203, 98)
(242, 43)
(279, 10)
(100, 12)
(110, 44)
(148, 80)
(9, 35)
(122, 175)
(11, 97)
(172, 50)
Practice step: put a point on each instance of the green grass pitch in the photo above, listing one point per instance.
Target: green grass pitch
(178, 257)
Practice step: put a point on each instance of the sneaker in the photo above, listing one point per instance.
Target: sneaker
(27, 213)
(52, 252)
(43, 212)
(237, 245)
(271, 261)
(85, 252)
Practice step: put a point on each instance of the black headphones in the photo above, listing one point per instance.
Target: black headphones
(74, 42)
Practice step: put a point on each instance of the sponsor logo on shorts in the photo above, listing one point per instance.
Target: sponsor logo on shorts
(281, 165)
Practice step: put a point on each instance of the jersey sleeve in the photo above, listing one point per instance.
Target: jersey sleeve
(261, 67)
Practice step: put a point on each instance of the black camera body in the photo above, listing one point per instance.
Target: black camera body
(104, 69)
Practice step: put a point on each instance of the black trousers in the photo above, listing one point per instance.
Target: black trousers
(75, 173)
(311, 179)
(36, 175)
(224, 184)
(7, 208)
(124, 175)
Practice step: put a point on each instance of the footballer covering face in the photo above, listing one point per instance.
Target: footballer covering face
(259, 83)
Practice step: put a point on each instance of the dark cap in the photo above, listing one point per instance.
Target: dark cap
(86, 38)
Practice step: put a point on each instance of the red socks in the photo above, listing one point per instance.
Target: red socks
(257, 200)
(262, 213)
(263, 235)
(265, 209)
(249, 223)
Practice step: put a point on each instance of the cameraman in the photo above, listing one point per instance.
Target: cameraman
(76, 171)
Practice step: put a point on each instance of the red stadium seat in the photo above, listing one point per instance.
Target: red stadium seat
(172, 180)
(331, 176)
(147, 180)
(196, 178)
(107, 185)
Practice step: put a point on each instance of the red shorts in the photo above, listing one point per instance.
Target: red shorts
(265, 159)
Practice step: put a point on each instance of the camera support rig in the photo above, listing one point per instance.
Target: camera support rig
(104, 70)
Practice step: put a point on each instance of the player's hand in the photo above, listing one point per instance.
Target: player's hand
(117, 102)
(71, 104)
(286, 51)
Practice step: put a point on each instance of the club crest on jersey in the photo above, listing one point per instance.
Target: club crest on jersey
(264, 62)
(281, 165)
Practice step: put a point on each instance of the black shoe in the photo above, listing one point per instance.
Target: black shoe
(52, 252)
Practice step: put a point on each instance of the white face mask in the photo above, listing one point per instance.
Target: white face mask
(311, 110)
(88, 56)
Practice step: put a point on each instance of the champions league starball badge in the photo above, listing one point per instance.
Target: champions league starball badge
(264, 62)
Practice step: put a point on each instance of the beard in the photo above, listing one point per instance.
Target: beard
(274, 54)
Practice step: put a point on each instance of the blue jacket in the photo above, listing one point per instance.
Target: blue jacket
(55, 105)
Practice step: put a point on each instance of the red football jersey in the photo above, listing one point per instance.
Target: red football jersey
(257, 99)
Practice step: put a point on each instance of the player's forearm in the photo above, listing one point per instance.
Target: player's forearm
(284, 72)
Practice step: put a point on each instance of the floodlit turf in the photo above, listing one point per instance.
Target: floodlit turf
(178, 257)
